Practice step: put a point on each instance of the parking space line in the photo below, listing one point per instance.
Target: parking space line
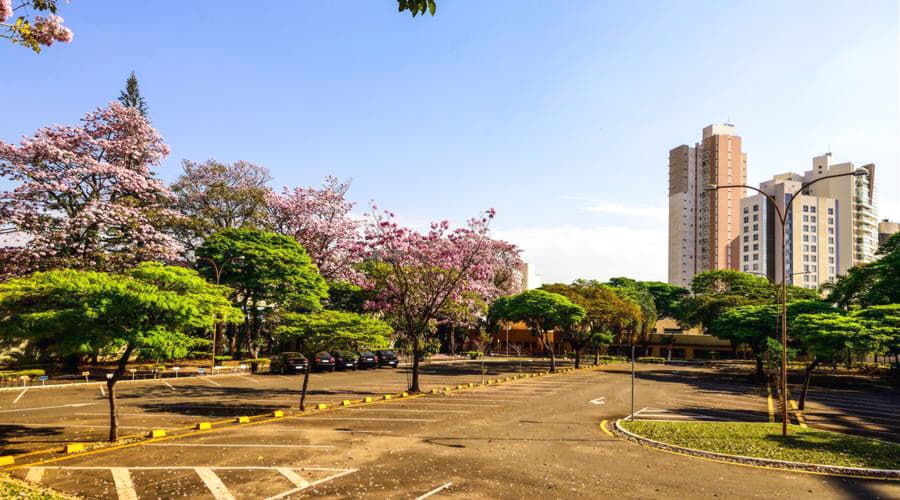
(83, 426)
(102, 392)
(733, 402)
(211, 381)
(250, 379)
(417, 403)
(436, 490)
(35, 475)
(837, 402)
(214, 484)
(169, 385)
(20, 395)
(405, 410)
(124, 486)
(294, 478)
(856, 415)
(73, 405)
(374, 419)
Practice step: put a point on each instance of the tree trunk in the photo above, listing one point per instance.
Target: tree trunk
(552, 357)
(807, 377)
(597, 357)
(759, 368)
(414, 383)
(113, 409)
(305, 385)
(111, 394)
(578, 357)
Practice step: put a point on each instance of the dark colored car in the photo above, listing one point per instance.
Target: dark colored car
(344, 361)
(367, 359)
(323, 362)
(387, 358)
(289, 362)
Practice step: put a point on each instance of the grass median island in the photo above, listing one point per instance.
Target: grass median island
(761, 440)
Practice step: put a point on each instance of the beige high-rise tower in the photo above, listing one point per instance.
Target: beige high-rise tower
(704, 226)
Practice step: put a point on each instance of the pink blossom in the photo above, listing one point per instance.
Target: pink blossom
(6, 10)
(50, 29)
(85, 195)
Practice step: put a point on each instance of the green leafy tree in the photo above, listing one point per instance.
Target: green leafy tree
(267, 271)
(605, 310)
(151, 308)
(131, 96)
(416, 7)
(874, 283)
(667, 298)
(884, 320)
(833, 336)
(641, 331)
(542, 312)
(754, 325)
(330, 330)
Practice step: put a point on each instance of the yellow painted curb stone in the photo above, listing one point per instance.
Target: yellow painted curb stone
(74, 447)
(321, 406)
(368, 399)
(405, 394)
(157, 433)
(387, 396)
(203, 426)
(7, 460)
(345, 402)
(277, 413)
(242, 420)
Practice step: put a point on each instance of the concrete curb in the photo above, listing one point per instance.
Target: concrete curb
(766, 463)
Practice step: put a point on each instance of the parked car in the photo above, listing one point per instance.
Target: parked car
(289, 362)
(387, 358)
(345, 361)
(367, 359)
(323, 362)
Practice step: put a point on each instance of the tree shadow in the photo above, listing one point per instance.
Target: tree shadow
(13, 437)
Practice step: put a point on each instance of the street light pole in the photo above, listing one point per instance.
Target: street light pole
(782, 218)
(217, 269)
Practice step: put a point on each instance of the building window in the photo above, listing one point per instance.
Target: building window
(805, 268)
(831, 269)
(746, 238)
(756, 267)
(805, 237)
(756, 208)
(755, 217)
(831, 260)
(746, 248)
(805, 228)
(746, 229)
(756, 227)
(831, 240)
(746, 267)
(813, 238)
(831, 220)
(755, 237)
(805, 258)
(812, 218)
(756, 256)
(805, 217)
(755, 246)
(746, 220)
(746, 209)
(830, 230)
(806, 208)
(830, 211)
(812, 209)
(746, 258)
(813, 249)
(830, 249)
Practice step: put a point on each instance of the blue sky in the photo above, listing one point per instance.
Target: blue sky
(558, 114)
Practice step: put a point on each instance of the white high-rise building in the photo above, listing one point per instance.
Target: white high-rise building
(830, 228)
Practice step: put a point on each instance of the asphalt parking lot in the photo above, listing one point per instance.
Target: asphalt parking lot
(533, 436)
(870, 410)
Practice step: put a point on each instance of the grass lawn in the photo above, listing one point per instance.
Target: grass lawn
(764, 441)
(13, 488)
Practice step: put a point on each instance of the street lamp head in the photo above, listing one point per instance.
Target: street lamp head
(711, 187)
(860, 171)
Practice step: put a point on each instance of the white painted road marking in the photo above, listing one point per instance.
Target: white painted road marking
(374, 419)
(432, 492)
(406, 410)
(168, 384)
(73, 405)
(124, 485)
(294, 478)
(598, 401)
(213, 382)
(102, 392)
(35, 475)
(20, 396)
(81, 426)
(215, 485)
(250, 379)
(300, 488)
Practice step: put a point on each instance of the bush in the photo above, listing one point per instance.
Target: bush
(258, 360)
(22, 373)
(612, 359)
(224, 358)
(651, 359)
(472, 354)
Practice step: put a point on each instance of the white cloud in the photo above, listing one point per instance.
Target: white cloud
(563, 254)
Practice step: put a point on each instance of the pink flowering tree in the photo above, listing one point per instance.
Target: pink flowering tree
(22, 26)
(85, 196)
(320, 220)
(416, 275)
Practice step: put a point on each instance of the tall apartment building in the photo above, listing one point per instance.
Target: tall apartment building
(830, 226)
(704, 226)
(886, 229)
